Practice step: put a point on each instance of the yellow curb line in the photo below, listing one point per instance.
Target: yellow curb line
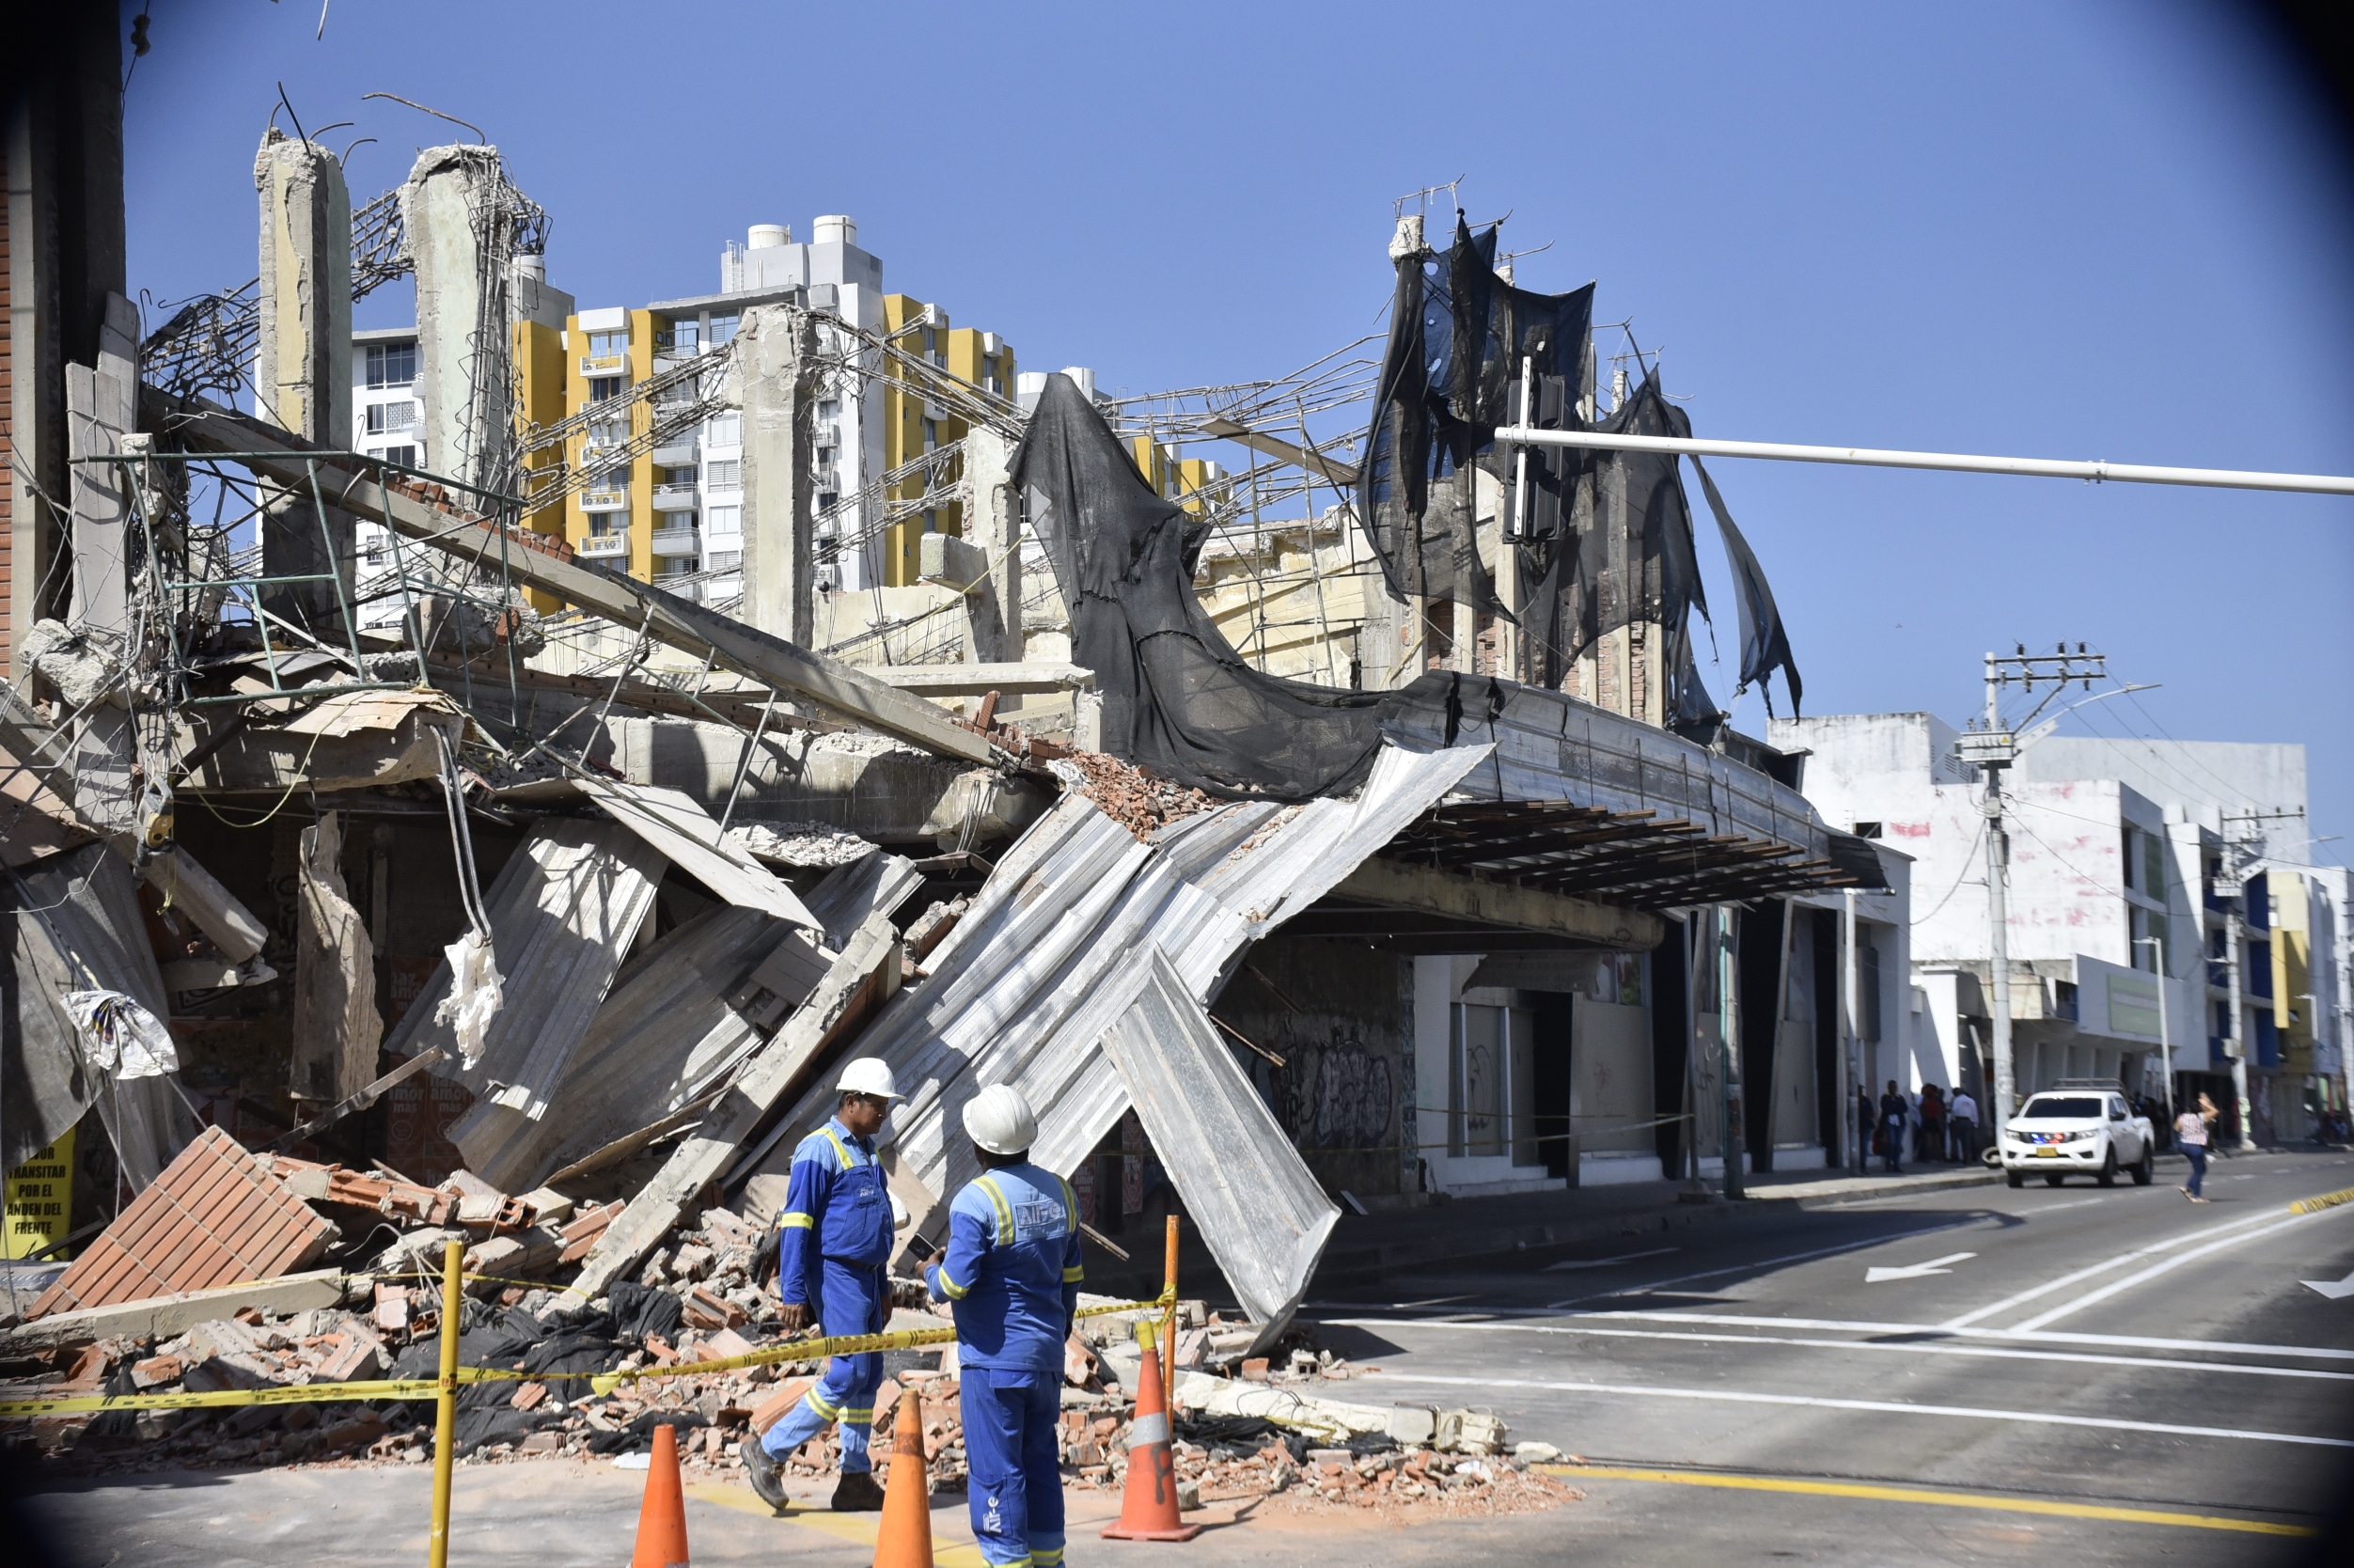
(1920, 1495)
(2327, 1201)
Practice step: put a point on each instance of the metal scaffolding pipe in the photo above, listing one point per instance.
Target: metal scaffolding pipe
(2097, 470)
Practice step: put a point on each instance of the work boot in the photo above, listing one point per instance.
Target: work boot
(761, 1469)
(856, 1493)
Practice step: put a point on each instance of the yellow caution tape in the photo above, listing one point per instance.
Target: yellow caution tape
(427, 1388)
(2327, 1201)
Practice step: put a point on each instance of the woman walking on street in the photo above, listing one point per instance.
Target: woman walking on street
(2191, 1131)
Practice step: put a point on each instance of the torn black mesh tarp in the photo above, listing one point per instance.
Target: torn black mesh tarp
(1178, 700)
(1628, 555)
(1765, 642)
(1419, 489)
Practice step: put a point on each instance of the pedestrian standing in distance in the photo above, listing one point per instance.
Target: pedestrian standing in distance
(1894, 1113)
(1932, 1142)
(1012, 1276)
(1962, 1125)
(2191, 1131)
(834, 1241)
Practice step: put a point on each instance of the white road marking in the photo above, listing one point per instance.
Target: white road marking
(1769, 1262)
(2092, 1298)
(2124, 1342)
(2034, 1418)
(2336, 1290)
(2064, 1281)
(1910, 1347)
(1605, 1262)
(1916, 1271)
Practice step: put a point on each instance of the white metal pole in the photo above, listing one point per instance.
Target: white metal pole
(2097, 470)
(1998, 921)
(1851, 1047)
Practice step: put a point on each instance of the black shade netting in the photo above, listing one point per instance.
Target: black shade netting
(1765, 641)
(1628, 556)
(1177, 699)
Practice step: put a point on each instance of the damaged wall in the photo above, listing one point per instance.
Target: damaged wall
(1339, 1014)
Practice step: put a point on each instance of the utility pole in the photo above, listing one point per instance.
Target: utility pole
(1994, 746)
(2165, 1032)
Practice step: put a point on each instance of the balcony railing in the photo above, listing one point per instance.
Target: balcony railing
(670, 543)
(678, 454)
(674, 498)
(603, 544)
(604, 500)
(605, 365)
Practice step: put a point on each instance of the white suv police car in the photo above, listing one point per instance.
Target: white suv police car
(2087, 1131)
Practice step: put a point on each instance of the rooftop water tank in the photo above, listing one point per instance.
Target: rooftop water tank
(768, 236)
(835, 229)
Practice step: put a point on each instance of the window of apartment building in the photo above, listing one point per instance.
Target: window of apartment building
(604, 389)
(1867, 987)
(931, 436)
(402, 457)
(683, 336)
(724, 560)
(726, 429)
(607, 345)
(680, 475)
(723, 329)
(391, 364)
(2153, 866)
(931, 522)
(725, 474)
(2148, 924)
(2125, 852)
(725, 520)
(602, 524)
(1868, 830)
(382, 417)
(828, 500)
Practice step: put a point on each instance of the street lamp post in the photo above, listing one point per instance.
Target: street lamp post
(2165, 1033)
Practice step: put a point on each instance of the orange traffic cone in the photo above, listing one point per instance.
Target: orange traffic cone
(1148, 1509)
(904, 1538)
(661, 1519)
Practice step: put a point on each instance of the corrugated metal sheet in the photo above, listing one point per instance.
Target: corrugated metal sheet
(685, 834)
(876, 883)
(1254, 1199)
(1046, 960)
(562, 909)
(215, 1216)
(668, 1031)
(1551, 747)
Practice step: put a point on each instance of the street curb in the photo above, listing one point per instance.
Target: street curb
(1472, 1242)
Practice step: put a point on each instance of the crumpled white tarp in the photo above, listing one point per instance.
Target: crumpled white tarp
(475, 996)
(120, 1038)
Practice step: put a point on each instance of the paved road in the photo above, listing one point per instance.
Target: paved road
(2055, 1354)
(2100, 1377)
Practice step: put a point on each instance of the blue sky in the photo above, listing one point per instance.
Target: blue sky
(2081, 231)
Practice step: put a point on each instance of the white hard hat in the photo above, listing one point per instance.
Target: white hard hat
(868, 1075)
(1001, 1121)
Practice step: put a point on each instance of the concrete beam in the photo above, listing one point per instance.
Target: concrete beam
(162, 1317)
(1339, 474)
(853, 693)
(993, 525)
(978, 680)
(1423, 888)
(775, 351)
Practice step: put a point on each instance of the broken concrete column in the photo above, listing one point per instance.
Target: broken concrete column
(452, 206)
(303, 369)
(993, 523)
(337, 1029)
(775, 347)
(101, 407)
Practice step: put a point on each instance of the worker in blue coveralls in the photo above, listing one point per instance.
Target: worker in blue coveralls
(1012, 1271)
(834, 1239)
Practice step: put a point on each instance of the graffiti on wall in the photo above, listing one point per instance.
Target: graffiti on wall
(1330, 1093)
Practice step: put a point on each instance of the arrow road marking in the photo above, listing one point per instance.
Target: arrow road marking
(1914, 1271)
(2336, 1290)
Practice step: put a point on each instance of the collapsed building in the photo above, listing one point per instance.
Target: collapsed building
(553, 892)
